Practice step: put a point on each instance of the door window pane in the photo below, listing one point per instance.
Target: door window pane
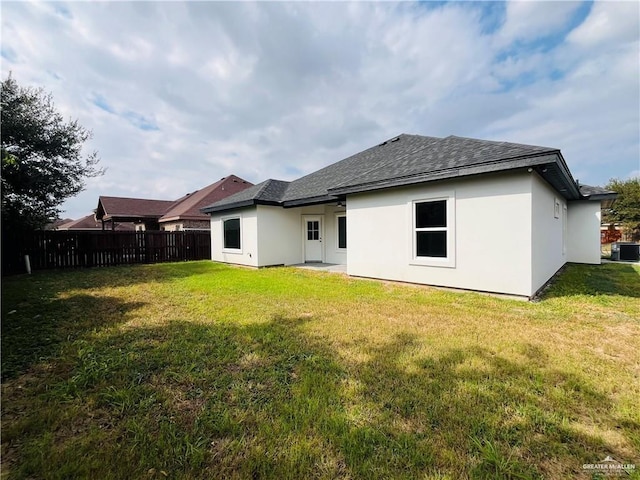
(313, 230)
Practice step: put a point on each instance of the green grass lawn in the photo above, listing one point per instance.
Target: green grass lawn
(200, 370)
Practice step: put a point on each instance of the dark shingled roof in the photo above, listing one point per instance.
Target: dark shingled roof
(606, 197)
(352, 168)
(269, 192)
(442, 155)
(405, 160)
(589, 191)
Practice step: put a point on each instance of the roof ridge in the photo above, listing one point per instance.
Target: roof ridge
(189, 204)
(136, 198)
(267, 182)
(503, 142)
(352, 156)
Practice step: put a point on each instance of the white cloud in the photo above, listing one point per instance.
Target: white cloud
(529, 20)
(609, 24)
(591, 110)
(277, 90)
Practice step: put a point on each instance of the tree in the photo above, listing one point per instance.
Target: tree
(626, 209)
(42, 161)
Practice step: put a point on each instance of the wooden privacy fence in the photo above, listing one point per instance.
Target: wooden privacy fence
(64, 249)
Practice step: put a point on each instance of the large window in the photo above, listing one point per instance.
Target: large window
(433, 231)
(231, 227)
(342, 231)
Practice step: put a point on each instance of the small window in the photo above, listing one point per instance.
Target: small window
(232, 233)
(342, 231)
(433, 233)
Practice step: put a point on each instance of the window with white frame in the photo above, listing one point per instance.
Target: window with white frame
(231, 233)
(433, 234)
(341, 229)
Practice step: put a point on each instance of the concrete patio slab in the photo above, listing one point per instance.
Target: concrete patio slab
(324, 267)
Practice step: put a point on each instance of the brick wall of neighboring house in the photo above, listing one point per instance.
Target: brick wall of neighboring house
(182, 224)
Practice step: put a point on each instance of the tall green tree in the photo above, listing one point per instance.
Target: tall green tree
(626, 209)
(42, 159)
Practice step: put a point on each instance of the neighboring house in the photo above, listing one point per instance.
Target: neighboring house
(145, 214)
(90, 224)
(185, 213)
(170, 215)
(610, 232)
(56, 223)
(422, 210)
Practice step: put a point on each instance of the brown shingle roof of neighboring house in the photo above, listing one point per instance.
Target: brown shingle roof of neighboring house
(90, 223)
(188, 207)
(121, 209)
(56, 223)
(131, 208)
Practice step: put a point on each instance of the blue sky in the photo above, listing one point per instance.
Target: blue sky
(179, 95)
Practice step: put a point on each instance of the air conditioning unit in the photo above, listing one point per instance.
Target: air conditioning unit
(626, 251)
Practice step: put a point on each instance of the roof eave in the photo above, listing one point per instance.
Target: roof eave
(602, 196)
(176, 218)
(128, 218)
(268, 202)
(228, 206)
(493, 167)
(567, 188)
(317, 200)
(569, 181)
(606, 199)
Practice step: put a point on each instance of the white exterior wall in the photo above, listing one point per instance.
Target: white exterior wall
(492, 234)
(280, 240)
(248, 253)
(583, 245)
(549, 227)
(281, 237)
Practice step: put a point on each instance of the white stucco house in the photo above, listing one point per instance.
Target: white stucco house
(456, 212)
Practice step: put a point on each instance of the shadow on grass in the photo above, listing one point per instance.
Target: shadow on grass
(266, 400)
(35, 328)
(119, 276)
(594, 280)
(35, 320)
